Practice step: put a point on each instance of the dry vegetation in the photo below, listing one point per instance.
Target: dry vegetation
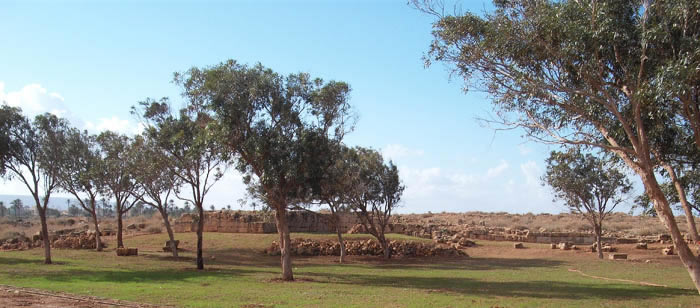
(616, 223)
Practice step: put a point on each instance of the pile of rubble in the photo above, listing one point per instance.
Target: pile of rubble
(308, 247)
(76, 240)
(19, 242)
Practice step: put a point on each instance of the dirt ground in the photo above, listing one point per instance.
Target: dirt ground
(24, 297)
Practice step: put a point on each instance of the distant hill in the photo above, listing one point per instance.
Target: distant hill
(59, 203)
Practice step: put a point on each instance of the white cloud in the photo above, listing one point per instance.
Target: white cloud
(496, 171)
(114, 124)
(397, 151)
(531, 172)
(34, 99)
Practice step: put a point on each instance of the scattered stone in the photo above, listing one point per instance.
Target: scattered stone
(608, 248)
(142, 226)
(564, 246)
(617, 256)
(167, 245)
(553, 246)
(76, 240)
(131, 227)
(641, 246)
(518, 246)
(668, 251)
(369, 247)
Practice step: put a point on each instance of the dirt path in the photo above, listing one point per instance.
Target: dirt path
(24, 297)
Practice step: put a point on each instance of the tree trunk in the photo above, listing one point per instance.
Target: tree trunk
(98, 242)
(599, 245)
(200, 238)
(171, 235)
(663, 210)
(342, 244)
(120, 243)
(45, 233)
(285, 242)
(385, 246)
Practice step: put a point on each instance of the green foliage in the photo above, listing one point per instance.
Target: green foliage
(586, 183)
(278, 126)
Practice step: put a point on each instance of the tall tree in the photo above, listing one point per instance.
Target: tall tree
(118, 175)
(17, 207)
(35, 148)
(589, 186)
(376, 192)
(617, 75)
(3, 209)
(81, 175)
(157, 181)
(273, 124)
(194, 156)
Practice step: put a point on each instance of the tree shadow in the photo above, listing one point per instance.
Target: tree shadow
(490, 289)
(143, 276)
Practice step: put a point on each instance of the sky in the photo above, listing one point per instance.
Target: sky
(91, 61)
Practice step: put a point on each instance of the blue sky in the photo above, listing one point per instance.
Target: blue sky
(91, 61)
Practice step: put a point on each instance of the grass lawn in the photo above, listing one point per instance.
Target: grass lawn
(238, 274)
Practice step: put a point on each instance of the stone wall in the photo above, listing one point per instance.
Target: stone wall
(244, 222)
(307, 221)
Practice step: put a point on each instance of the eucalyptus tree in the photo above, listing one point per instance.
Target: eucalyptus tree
(273, 124)
(81, 175)
(35, 150)
(3, 209)
(157, 181)
(376, 191)
(590, 186)
(620, 76)
(192, 152)
(118, 175)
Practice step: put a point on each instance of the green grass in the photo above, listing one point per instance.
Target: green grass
(241, 275)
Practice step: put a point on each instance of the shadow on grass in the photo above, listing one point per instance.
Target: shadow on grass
(144, 276)
(15, 261)
(523, 289)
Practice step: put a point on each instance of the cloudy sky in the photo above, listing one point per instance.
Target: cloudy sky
(89, 62)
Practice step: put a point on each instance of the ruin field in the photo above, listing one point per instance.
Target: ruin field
(239, 274)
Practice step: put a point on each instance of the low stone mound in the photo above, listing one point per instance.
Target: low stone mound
(76, 240)
(309, 247)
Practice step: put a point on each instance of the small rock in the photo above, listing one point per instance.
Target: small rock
(518, 246)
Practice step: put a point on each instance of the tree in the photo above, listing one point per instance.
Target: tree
(34, 150)
(273, 124)
(589, 186)
(616, 75)
(376, 192)
(156, 180)
(193, 153)
(118, 175)
(335, 190)
(17, 207)
(3, 209)
(81, 176)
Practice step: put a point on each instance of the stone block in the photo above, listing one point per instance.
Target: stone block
(127, 252)
(617, 256)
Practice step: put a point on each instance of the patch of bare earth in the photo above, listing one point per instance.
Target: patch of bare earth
(25, 297)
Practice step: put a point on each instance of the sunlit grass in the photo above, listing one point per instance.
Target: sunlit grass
(240, 274)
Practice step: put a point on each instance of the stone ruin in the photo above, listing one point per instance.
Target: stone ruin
(369, 247)
(67, 238)
(313, 222)
(250, 222)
